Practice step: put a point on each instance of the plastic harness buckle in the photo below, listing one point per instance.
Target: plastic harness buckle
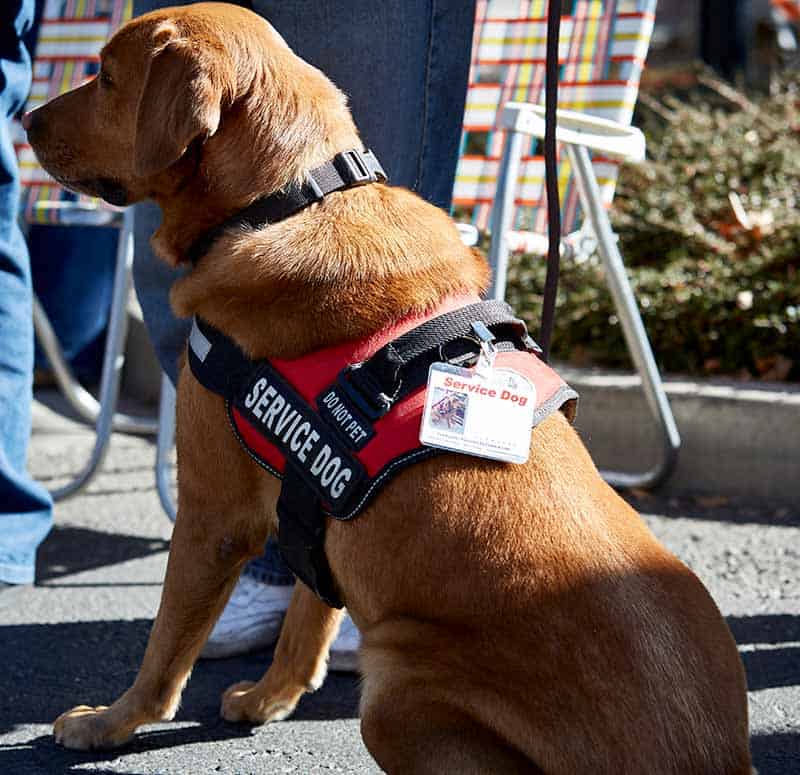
(358, 168)
(363, 391)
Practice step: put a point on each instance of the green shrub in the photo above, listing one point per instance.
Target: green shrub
(719, 292)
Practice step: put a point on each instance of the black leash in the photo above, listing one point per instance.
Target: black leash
(551, 178)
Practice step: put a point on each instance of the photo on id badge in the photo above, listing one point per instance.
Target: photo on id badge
(449, 410)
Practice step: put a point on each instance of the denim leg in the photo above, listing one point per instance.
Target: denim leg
(153, 278)
(404, 65)
(25, 506)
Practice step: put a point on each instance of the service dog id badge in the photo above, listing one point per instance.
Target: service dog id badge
(483, 411)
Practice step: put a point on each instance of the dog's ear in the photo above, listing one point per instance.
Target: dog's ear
(181, 101)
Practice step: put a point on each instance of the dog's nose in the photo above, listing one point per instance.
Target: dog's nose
(30, 120)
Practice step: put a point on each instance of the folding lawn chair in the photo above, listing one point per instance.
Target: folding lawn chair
(71, 35)
(500, 177)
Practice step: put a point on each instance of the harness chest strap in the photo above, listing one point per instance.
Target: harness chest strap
(337, 424)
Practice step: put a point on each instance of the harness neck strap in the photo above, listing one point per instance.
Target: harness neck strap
(346, 170)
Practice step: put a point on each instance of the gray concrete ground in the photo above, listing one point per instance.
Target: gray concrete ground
(78, 636)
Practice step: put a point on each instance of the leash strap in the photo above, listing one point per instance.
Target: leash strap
(551, 178)
(346, 170)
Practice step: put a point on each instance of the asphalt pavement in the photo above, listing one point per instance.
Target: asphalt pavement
(78, 635)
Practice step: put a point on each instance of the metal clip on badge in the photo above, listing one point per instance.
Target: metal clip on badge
(488, 352)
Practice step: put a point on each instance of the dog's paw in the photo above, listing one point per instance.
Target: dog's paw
(84, 728)
(244, 702)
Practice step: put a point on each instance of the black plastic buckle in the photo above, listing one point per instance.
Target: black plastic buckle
(316, 192)
(373, 405)
(358, 168)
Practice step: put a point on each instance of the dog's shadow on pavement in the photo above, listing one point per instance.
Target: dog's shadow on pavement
(762, 639)
(64, 551)
(44, 752)
(770, 664)
(49, 668)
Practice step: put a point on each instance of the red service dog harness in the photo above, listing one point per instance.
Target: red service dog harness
(337, 424)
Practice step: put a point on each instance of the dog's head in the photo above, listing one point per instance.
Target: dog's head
(204, 108)
(207, 92)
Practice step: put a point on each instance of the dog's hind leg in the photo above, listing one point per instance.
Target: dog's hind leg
(409, 735)
(299, 664)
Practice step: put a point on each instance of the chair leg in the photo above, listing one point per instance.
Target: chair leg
(112, 361)
(164, 443)
(632, 326)
(503, 214)
(83, 403)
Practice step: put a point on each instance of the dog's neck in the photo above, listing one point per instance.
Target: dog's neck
(263, 144)
(202, 195)
(338, 270)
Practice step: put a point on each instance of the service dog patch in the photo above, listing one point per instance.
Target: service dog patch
(284, 419)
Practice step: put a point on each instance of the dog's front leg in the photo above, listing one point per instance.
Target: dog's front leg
(299, 665)
(200, 576)
(222, 521)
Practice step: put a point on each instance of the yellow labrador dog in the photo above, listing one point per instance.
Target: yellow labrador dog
(515, 618)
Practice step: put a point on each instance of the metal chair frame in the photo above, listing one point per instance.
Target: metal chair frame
(102, 412)
(580, 134)
(602, 49)
(59, 64)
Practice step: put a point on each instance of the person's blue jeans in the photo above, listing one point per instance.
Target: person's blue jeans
(25, 506)
(404, 66)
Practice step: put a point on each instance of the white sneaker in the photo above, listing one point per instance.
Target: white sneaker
(251, 620)
(344, 650)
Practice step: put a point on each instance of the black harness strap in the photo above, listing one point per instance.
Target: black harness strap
(301, 536)
(401, 366)
(346, 170)
(216, 361)
(368, 390)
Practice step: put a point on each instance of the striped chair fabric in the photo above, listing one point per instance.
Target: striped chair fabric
(602, 49)
(71, 35)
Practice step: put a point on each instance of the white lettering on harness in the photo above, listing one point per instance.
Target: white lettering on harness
(273, 410)
(297, 435)
(252, 396)
(262, 402)
(327, 468)
(343, 417)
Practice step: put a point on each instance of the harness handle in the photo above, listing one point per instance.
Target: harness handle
(401, 366)
(551, 178)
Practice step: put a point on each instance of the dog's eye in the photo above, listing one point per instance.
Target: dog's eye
(104, 78)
